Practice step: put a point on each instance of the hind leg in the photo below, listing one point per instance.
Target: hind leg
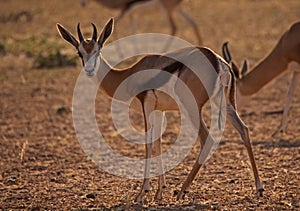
(244, 133)
(203, 135)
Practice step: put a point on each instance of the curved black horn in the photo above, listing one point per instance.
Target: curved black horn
(94, 37)
(226, 52)
(81, 39)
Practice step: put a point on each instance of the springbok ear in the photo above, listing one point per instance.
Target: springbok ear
(235, 70)
(226, 52)
(106, 32)
(244, 68)
(65, 34)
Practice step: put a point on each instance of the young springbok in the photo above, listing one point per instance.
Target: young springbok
(284, 56)
(167, 6)
(151, 100)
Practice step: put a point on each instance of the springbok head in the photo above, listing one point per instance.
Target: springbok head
(239, 73)
(88, 50)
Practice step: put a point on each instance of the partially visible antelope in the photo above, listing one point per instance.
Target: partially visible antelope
(152, 100)
(168, 7)
(285, 56)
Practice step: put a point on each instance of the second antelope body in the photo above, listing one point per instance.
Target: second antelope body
(152, 100)
(284, 56)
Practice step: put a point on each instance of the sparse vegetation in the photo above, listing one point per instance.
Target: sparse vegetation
(30, 46)
(45, 53)
(16, 16)
(53, 59)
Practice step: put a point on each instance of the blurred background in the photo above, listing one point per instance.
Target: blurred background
(252, 27)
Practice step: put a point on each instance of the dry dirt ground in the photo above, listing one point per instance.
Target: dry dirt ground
(42, 166)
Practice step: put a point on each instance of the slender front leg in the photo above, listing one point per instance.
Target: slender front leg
(158, 118)
(192, 23)
(146, 182)
(148, 106)
(288, 101)
(244, 133)
(173, 28)
(171, 22)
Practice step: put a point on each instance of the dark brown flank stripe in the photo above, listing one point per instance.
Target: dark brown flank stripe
(212, 58)
(160, 81)
(177, 66)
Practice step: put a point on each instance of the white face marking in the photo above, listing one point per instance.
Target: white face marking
(90, 59)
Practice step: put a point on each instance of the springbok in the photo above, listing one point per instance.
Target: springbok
(152, 100)
(284, 56)
(167, 6)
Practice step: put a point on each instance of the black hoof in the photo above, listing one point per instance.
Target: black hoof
(180, 197)
(260, 192)
(175, 192)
